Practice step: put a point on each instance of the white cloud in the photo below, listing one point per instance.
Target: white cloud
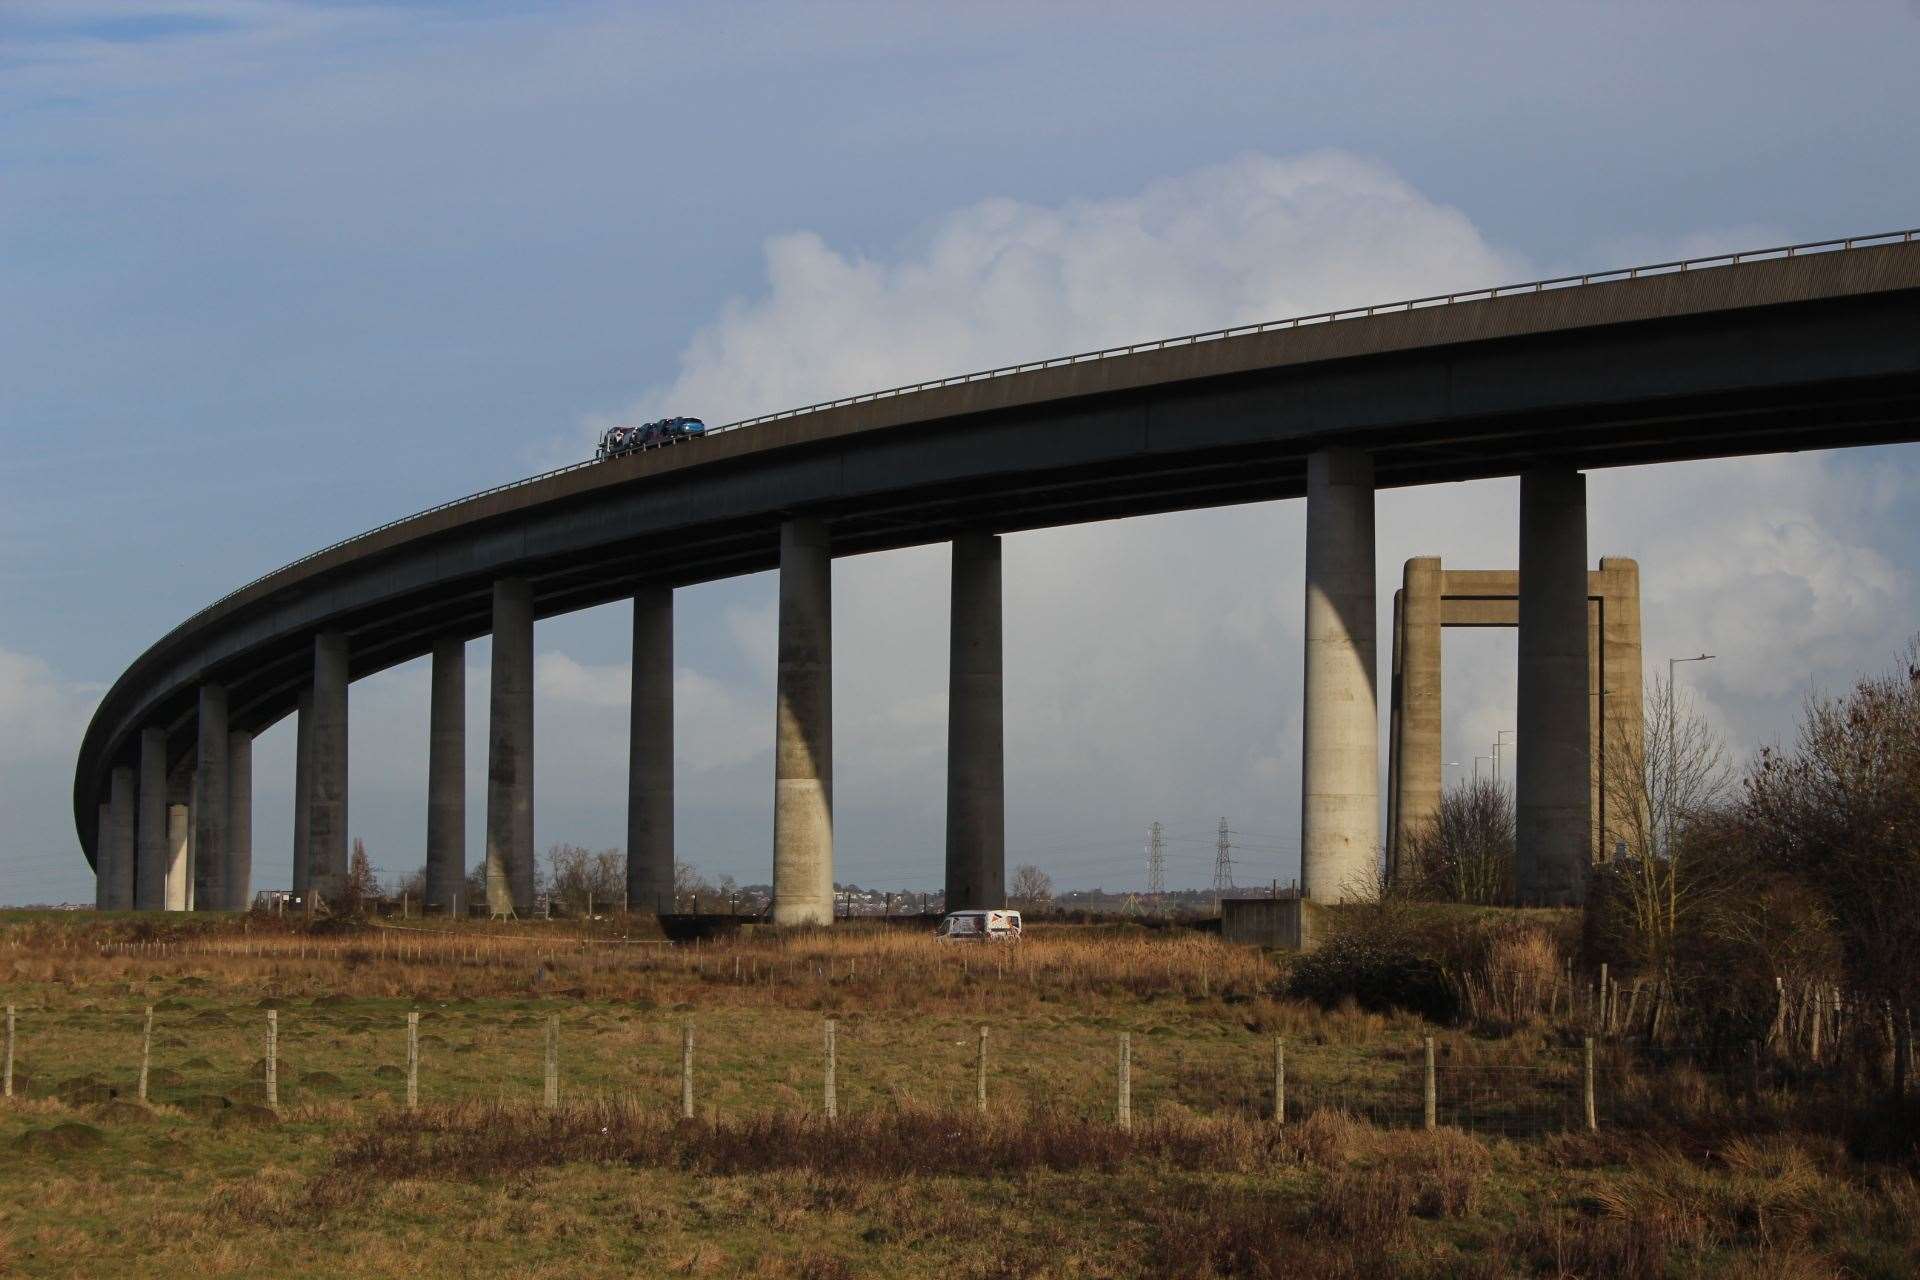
(42, 715)
(1001, 281)
(42, 718)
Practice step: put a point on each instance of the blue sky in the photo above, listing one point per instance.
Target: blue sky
(271, 273)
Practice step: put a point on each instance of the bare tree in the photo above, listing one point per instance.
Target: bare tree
(362, 886)
(1465, 852)
(689, 885)
(1032, 887)
(579, 879)
(1663, 794)
(474, 892)
(1841, 812)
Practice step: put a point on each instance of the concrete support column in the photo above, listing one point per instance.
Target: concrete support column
(327, 771)
(239, 876)
(976, 750)
(150, 826)
(178, 895)
(510, 752)
(302, 794)
(1620, 811)
(447, 778)
(1416, 749)
(117, 847)
(210, 812)
(803, 743)
(1553, 800)
(103, 855)
(650, 851)
(1340, 788)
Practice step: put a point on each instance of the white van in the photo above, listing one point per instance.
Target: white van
(979, 926)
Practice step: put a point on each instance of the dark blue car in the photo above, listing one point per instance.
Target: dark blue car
(648, 435)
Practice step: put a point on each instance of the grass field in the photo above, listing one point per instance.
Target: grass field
(1686, 1176)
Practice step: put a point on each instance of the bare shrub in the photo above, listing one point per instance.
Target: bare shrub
(1464, 853)
(1365, 1204)
(1517, 981)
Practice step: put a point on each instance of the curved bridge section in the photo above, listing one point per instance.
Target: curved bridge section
(1809, 347)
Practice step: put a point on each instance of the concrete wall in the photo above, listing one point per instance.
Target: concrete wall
(1293, 924)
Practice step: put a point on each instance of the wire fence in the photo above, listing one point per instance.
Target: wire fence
(208, 1059)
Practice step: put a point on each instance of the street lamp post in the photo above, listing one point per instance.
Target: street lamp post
(1476, 767)
(1672, 762)
(1499, 741)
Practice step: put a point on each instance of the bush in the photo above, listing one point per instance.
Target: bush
(1376, 972)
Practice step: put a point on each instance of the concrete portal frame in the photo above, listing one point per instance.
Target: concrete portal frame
(1432, 598)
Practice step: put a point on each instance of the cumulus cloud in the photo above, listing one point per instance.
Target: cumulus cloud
(1002, 281)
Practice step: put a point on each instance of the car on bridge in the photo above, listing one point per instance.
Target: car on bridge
(615, 441)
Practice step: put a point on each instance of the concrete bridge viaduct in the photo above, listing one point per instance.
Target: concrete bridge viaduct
(1816, 346)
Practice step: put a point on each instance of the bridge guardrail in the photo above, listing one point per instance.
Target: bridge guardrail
(1675, 266)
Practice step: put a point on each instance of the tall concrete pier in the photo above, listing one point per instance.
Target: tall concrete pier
(150, 839)
(803, 743)
(327, 771)
(179, 890)
(1340, 790)
(1553, 799)
(210, 812)
(510, 752)
(103, 853)
(302, 793)
(976, 769)
(117, 841)
(1416, 755)
(239, 874)
(447, 777)
(650, 851)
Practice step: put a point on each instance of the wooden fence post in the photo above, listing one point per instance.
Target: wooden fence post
(1593, 1118)
(413, 1061)
(1279, 1080)
(1124, 1105)
(686, 1072)
(1602, 1010)
(146, 1052)
(9, 1069)
(980, 1082)
(1430, 1098)
(273, 1058)
(831, 1103)
(552, 1096)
